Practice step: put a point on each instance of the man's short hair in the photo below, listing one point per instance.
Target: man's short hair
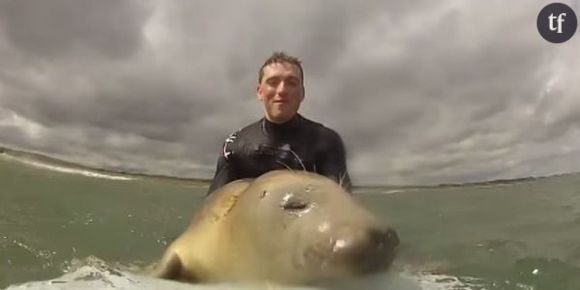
(280, 56)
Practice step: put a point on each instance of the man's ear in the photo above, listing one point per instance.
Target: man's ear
(259, 92)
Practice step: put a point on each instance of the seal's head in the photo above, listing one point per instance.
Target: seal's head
(284, 227)
(311, 229)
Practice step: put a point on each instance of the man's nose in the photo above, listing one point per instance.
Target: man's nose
(282, 87)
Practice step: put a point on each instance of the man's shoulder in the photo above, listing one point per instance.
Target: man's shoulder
(231, 142)
(249, 127)
(321, 129)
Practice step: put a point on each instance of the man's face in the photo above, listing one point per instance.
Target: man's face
(281, 91)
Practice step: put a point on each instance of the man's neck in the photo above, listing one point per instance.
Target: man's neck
(273, 128)
(280, 122)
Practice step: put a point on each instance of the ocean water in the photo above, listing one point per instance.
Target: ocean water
(522, 235)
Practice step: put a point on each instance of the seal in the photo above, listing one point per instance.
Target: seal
(284, 227)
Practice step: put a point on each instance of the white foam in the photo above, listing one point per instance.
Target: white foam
(439, 282)
(94, 277)
(393, 191)
(102, 276)
(379, 192)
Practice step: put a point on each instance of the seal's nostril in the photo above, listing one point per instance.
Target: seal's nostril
(376, 236)
(384, 237)
(392, 237)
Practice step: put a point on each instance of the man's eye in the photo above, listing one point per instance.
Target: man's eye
(272, 82)
(295, 205)
(292, 83)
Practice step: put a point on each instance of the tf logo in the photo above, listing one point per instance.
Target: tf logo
(557, 22)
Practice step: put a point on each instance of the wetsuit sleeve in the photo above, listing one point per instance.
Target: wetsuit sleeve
(333, 163)
(223, 174)
(225, 171)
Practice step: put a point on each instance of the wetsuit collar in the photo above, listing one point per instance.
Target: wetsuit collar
(270, 128)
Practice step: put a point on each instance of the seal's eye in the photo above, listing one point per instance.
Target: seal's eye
(295, 204)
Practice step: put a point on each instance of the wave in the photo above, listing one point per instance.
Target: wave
(56, 164)
(94, 273)
(84, 172)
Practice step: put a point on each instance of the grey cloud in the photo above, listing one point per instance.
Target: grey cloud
(58, 28)
(13, 136)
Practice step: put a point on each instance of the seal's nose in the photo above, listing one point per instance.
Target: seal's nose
(383, 237)
(366, 250)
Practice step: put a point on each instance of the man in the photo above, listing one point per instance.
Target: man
(283, 138)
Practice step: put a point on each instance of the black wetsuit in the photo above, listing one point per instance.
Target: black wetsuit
(297, 144)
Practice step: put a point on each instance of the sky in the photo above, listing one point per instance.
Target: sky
(422, 92)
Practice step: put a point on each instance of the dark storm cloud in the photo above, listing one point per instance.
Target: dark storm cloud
(421, 91)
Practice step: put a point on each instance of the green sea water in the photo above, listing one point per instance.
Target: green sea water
(505, 236)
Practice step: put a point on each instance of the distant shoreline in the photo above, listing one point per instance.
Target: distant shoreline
(51, 161)
(47, 160)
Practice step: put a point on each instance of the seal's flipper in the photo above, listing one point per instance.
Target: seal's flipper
(222, 201)
(171, 268)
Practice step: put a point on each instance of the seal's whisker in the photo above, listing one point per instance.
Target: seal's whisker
(341, 179)
(284, 164)
(299, 160)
